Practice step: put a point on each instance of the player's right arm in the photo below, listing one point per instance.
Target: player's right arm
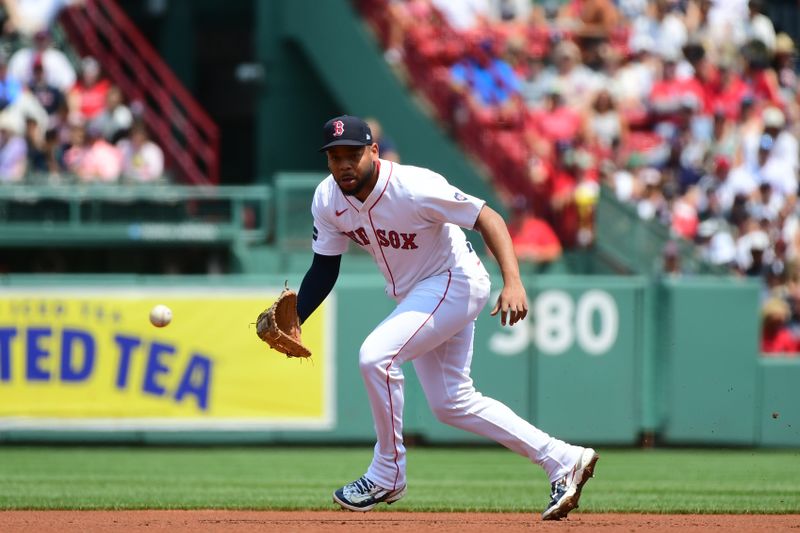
(328, 244)
(317, 284)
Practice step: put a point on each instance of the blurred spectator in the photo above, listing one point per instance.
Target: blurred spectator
(142, 159)
(576, 81)
(632, 82)
(48, 95)
(605, 125)
(726, 140)
(651, 201)
(386, 147)
(25, 106)
(773, 167)
(759, 77)
(745, 179)
(726, 94)
(484, 79)
(34, 139)
(13, 150)
(87, 98)
(401, 16)
(116, 118)
(752, 250)
(685, 219)
(48, 158)
(555, 121)
(631, 9)
(700, 28)
(57, 68)
(785, 155)
(464, 15)
(786, 70)
(671, 95)
(671, 260)
(587, 193)
(10, 87)
(716, 243)
(510, 12)
(592, 22)
(535, 85)
(776, 337)
(793, 299)
(623, 180)
(91, 158)
(729, 17)
(29, 17)
(758, 26)
(664, 26)
(764, 204)
(589, 19)
(533, 239)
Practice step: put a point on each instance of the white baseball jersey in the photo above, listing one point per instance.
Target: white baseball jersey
(409, 224)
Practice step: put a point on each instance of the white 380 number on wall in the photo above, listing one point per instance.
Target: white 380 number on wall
(556, 322)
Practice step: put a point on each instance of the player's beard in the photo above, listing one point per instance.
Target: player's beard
(361, 181)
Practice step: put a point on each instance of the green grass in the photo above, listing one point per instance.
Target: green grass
(482, 479)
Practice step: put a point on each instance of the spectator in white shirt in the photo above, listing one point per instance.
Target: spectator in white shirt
(59, 72)
(142, 159)
(30, 16)
(759, 26)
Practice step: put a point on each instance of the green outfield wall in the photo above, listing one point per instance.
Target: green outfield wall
(602, 360)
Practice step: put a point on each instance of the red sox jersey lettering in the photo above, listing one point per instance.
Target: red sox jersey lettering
(409, 210)
(386, 238)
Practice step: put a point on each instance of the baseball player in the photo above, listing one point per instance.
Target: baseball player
(408, 219)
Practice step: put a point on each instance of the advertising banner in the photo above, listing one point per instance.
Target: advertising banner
(89, 358)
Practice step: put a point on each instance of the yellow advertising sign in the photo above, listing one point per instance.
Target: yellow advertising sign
(89, 358)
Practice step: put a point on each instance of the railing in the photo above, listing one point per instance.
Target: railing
(638, 245)
(293, 223)
(69, 215)
(190, 138)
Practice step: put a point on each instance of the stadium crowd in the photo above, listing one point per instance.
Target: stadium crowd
(62, 120)
(685, 109)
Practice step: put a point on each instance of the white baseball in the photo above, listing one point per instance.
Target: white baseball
(160, 315)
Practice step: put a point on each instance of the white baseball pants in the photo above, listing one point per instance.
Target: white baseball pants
(433, 327)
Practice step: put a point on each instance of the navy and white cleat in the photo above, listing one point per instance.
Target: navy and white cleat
(566, 492)
(362, 495)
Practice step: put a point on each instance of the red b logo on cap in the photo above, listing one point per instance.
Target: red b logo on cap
(338, 128)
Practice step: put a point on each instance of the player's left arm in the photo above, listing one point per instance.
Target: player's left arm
(512, 302)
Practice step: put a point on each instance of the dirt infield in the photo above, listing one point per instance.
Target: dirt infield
(341, 521)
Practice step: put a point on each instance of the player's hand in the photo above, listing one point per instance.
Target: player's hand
(512, 304)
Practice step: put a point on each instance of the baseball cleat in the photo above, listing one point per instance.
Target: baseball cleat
(362, 495)
(566, 492)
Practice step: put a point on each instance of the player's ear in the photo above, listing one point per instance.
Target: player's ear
(374, 149)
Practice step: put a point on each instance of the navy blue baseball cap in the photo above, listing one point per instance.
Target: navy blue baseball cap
(346, 130)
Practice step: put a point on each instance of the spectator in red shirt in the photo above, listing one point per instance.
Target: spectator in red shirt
(534, 240)
(776, 337)
(556, 121)
(727, 94)
(87, 98)
(759, 76)
(670, 92)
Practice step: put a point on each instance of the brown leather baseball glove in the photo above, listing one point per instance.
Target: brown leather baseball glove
(279, 326)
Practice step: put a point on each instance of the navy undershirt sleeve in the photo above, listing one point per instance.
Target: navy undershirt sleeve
(317, 284)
